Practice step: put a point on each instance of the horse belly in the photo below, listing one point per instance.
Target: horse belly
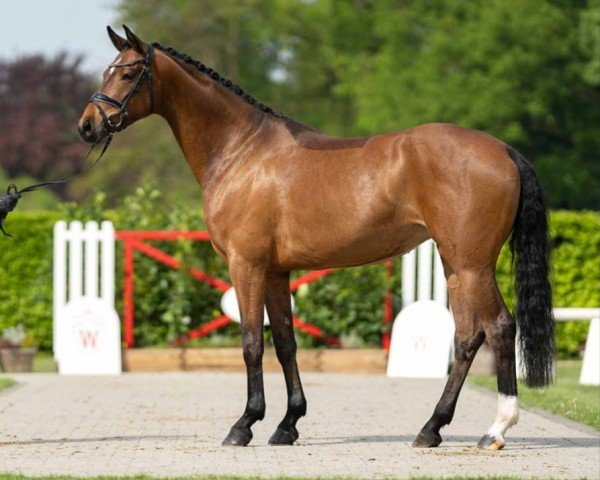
(346, 244)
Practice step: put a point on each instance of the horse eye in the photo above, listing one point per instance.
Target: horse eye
(128, 76)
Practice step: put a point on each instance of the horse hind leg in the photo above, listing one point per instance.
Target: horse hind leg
(463, 291)
(501, 337)
(479, 313)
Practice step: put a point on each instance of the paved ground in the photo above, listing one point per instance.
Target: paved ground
(357, 425)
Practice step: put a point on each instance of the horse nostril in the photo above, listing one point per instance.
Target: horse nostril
(86, 130)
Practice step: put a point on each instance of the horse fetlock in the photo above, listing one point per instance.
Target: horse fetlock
(297, 406)
(255, 412)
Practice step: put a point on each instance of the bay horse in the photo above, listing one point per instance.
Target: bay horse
(281, 196)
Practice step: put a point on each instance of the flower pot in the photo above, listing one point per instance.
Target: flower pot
(17, 359)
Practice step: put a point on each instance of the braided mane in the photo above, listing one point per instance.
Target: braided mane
(213, 74)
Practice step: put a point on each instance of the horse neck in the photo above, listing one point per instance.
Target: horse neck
(209, 122)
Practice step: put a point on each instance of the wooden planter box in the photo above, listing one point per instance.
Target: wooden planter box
(231, 359)
(17, 359)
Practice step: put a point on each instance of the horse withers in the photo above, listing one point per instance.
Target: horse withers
(281, 196)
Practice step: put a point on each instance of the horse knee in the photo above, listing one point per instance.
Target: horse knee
(253, 352)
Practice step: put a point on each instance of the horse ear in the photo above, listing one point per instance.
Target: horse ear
(119, 42)
(136, 42)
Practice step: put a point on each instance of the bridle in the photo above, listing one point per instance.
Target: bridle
(97, 98)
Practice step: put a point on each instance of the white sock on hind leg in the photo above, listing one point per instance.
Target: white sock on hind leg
(507, 416)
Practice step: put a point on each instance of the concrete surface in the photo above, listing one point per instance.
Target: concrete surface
(172, 424)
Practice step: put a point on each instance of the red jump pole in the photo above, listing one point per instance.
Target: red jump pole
(388, 312)
(171, 261)
(128, 301)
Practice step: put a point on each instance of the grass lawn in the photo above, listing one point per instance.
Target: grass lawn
(565, 397)
(44, 362)
(6, 382)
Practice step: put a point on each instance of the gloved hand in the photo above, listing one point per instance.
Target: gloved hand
(8, 202)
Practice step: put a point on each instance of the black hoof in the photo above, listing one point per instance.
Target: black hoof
(488, 442)
(284, 437)
(427, 440)
(238, 437)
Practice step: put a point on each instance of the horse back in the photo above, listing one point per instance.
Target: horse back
(320, 201)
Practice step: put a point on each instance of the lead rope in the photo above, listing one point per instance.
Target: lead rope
(9, 200)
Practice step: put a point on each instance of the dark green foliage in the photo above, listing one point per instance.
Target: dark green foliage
(26, 274)
(168, 302)
(576, 249)
(347, 303)
(527, 72)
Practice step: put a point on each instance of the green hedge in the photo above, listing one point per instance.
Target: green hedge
(26, 274)
(348, 303)
(576, 272)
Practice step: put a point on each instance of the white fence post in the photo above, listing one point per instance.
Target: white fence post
(84, 284)
(590, 369)
(425, 270)
(421, 344)
(423, 275)
(90, 238)
(107, 278)
(75, 245)
(440, 286)
(409, 271)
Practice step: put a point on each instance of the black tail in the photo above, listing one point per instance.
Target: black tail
(531, 246)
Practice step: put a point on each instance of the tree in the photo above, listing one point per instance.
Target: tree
(514, 69)
(286, 53)
(525, 71)
(40, 102)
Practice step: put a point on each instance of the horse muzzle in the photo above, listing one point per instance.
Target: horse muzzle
(91, 130)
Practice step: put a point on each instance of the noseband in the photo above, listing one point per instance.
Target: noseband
(97, 98)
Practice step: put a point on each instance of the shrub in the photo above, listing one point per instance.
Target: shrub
(576, 274)
(26, 274)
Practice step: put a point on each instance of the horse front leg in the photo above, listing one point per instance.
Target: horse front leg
(249, 282)
(279, 308)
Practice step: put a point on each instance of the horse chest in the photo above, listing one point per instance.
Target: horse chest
(239, 227)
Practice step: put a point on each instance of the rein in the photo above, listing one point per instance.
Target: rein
(9, 200)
